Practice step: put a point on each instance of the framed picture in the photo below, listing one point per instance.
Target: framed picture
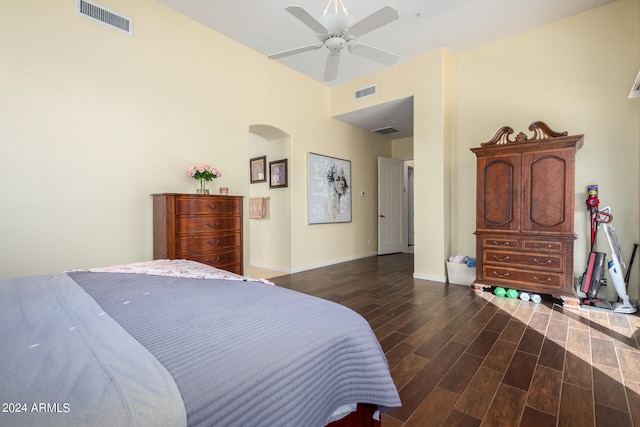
(278, 174)
(257, 169)
(329, 189)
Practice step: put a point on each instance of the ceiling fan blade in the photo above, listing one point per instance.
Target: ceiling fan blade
(377, 55)
(377, 19)
(295, 51)
(307, 19)
(331, 69)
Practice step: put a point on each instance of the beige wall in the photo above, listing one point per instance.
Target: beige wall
(93, 121)
(402, 148)
(324, 244)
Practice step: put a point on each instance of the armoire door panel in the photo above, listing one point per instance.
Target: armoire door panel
(546, 202)
(500, 181)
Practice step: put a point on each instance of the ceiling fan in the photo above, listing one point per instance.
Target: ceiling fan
(336, 31)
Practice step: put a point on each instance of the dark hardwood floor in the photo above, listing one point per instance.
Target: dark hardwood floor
(463, 359)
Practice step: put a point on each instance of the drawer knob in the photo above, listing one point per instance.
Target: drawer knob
(547, 261)
(501, 259)
(213, 262)
(537, 246)
(495, 242)
(214, 225)
(548, 279)
(214, 207)
(495, 273)
(216, 243)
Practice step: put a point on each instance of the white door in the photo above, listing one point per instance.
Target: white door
(390, 215)
(410, 206)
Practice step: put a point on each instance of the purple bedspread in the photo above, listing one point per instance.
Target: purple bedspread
(248, 353)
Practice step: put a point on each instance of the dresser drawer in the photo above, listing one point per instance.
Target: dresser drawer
(542, 245)
(206, 224)
(524, 279)
(204, 243)
(207, 206)
(547, 261)
(229, 261)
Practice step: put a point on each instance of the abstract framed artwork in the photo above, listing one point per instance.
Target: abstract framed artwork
(257, 169)
(329, 192)
(278, 174)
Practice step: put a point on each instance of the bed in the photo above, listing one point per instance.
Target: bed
(177, 343)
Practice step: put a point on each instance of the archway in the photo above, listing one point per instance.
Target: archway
(269, 235)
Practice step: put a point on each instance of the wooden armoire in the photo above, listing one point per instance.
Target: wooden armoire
(525, 211)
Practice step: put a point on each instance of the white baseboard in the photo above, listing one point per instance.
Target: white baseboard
(271, 267)
(442, 279)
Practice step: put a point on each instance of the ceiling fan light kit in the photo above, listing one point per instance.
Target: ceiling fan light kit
(336, 31)
(335, 44)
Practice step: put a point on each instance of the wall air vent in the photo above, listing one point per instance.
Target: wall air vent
(105, 16)
(367, 91)
(385, 131)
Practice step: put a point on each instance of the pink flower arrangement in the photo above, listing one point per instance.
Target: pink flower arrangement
(204, 172)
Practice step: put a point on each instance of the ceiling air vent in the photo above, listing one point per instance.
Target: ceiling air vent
(385, 131)
(105, 16)
(367, 91)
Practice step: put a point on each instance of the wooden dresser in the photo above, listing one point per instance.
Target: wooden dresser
(203, 228)
(525, 211)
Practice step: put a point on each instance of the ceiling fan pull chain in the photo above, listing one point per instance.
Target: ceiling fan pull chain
(335, 7)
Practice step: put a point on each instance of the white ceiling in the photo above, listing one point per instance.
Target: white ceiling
(424, 25)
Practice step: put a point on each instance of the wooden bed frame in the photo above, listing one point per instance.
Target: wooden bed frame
(362, 417)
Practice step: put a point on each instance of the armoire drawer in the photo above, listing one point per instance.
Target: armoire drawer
(513, 277)
(546, 261)
(501, 242)
(542, 245)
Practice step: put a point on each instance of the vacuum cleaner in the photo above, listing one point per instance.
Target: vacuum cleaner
(593, 277)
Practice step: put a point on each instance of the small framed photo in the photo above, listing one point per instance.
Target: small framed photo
(278, 174)
(257, 169)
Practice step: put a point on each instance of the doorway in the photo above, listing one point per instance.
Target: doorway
(395, 205)
(409, 204)
(274, 223)
(391, 221)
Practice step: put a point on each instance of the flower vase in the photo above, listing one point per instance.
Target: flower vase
(202, 187)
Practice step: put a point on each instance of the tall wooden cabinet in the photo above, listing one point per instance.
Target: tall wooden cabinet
(525, 211)
(203, 228)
